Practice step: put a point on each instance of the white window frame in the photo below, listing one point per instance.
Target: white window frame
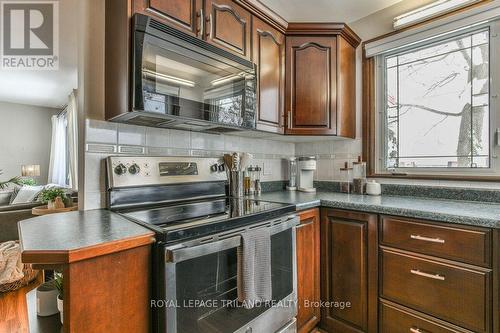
(380, 114)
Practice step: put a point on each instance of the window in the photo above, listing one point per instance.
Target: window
(434, 106)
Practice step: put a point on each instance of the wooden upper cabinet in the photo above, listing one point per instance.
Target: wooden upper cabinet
(321, 80)
(349, 270)
(308, 270)
(228, 26)
(311, 90)
(180, 14)
(269, 55)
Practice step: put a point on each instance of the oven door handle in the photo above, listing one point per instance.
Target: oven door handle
(186, 253)
(175, 255)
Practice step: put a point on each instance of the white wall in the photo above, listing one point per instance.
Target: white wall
(25, 135)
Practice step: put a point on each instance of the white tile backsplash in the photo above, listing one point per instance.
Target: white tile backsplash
(131, 135)
(126, 139)
(101, 131)
(180, 139)
(157, 137)
(207, 141)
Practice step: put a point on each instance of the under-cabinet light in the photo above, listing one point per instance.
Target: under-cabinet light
(429, 11)
(168, 78)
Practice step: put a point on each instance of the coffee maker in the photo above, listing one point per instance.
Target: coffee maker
(306, 166)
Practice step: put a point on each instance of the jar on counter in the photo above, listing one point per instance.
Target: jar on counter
(359, 176)
(345, 178)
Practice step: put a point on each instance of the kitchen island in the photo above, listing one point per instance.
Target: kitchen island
(105, 261)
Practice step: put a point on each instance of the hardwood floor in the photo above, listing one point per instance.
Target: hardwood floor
(14, 309)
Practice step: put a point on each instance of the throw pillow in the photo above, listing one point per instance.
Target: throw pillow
(26, 194)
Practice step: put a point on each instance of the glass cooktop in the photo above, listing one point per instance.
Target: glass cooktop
(195, 219)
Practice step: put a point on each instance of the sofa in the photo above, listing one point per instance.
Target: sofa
(10, 214)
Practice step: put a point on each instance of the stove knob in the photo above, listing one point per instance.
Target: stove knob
(213, 168)
(120, 169)
(134, 169)
(222, 167)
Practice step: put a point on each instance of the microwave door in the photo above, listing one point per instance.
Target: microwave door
(191, 81)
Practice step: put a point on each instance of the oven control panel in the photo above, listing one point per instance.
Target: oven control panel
(124, 171)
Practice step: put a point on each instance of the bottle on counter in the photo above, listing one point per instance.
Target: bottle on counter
(345, 178)
(258, 184)
(246, 183)
(359, 176)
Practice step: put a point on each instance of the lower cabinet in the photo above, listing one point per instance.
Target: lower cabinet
(348, 271)
(390, 274)
(308, 270)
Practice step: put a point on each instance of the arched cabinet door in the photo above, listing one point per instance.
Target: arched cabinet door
(228, 26)
(185, 15)
(311, 91)
(269, 55)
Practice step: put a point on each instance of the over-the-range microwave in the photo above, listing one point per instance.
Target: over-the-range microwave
(180, 81)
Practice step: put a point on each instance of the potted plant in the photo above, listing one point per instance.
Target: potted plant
(58, 284)
(53, 197)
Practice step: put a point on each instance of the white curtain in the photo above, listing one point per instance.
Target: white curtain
(57, 166)
(72, 140)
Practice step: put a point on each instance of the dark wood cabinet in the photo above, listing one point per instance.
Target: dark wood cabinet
(471, 245)
(311, 91)
(269, 56)
(348, 271)
(308, 270)
(445, 290)
(228, 26)
(185, 15)
(395, 318)
(442, 273)
(320, 80)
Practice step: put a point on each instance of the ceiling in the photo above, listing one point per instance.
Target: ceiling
(326, 10)
(47, 88)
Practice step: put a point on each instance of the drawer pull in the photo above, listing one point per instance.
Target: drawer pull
(427, 275)
(416, 330)
(427, 239)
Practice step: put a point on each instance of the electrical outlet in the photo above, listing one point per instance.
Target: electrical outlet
(267, 168)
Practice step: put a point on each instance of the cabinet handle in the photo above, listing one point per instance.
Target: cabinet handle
(427, 275)
(427, 239)
(210, 32)
(202, 23)
(303, 225)
(289, 118)
(416, 330)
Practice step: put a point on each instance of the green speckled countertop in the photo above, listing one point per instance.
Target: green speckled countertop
(453, 211)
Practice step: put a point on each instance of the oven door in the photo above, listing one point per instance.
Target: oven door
(200, 286)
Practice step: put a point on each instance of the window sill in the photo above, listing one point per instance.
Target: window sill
(479, 178)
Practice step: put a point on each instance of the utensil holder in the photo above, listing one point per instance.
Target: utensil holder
(236, 183)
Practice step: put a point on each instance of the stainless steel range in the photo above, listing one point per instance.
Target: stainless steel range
(199, 230)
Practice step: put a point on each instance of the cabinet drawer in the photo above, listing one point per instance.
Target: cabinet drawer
(469, 245)
(452, 293)
(398, 319)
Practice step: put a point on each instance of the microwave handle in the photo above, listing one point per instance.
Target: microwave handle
(202, 23)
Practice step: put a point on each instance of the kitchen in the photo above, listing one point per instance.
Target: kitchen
(249, 166)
